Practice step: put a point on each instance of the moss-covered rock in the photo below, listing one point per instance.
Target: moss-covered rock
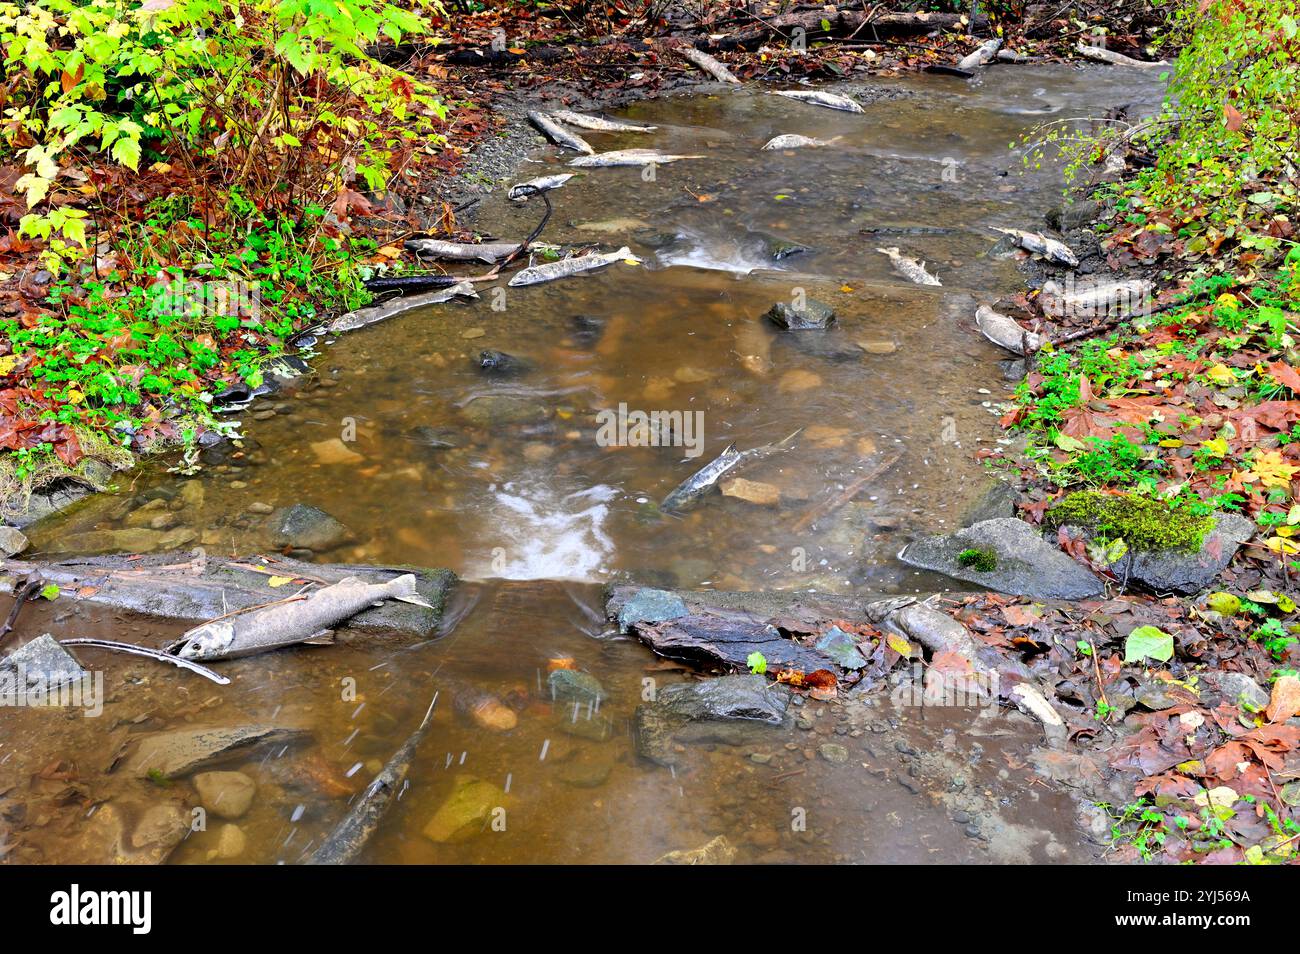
(1143, 523)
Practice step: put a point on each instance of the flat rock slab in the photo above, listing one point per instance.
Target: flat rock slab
(1024, 563)
(176, 586)
(179, 752)
(711, 626)
(678, 709)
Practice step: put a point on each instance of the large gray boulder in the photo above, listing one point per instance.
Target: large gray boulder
(1006, 555)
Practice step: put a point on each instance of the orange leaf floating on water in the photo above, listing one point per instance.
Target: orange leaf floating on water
(560, 662)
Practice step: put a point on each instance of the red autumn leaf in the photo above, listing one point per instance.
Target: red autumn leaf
(1232, 117)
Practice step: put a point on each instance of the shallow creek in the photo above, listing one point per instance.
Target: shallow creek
(429, 461)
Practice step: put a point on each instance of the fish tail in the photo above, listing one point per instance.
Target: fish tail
(403, 588)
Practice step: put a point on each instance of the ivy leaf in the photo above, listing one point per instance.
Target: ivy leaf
(50, 591)
(1148, 642)
(757, 663)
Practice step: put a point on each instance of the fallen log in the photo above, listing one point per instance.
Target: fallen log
(849, 23)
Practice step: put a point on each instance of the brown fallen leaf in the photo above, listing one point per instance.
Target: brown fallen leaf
(1286, 699)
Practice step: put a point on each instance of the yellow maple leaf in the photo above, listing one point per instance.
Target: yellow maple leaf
(1271, 470)
(1221, 375)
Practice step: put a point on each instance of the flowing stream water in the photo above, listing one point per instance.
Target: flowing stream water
(509, 482)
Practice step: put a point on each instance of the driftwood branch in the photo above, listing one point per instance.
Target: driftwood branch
(849, 22)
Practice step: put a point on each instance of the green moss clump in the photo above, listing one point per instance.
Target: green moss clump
(981, 559)
(1142, 522)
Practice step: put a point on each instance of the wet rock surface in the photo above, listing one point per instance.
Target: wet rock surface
(1176, 571)
(808, 316)
(308, 528)
(1006, 555)
(751, 698)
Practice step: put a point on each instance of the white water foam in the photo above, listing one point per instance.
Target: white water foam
(535, 532)
(740, 256)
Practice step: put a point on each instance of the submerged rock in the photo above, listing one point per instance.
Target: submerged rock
(500, 364)
(495, 410)
(811, 315)
(126, 540)
(43, 660)
(719, 851)
(467, 810)
(1006, 555)
(182, 751)
(570, 685)
(225, 794)
(307, 528)
(12, 542)
(750, 698)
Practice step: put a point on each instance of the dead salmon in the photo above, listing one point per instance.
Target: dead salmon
(558, 134)
(522, 191)
(550, 271)
(792, 141)
(1103, 55)
(290, 622)
(389, 309)
(909, 268)
(819, 98)
(627, 157)
(982, 56)
(354, 832)
(693, 488)
(462, 251)
(1005, 332)
(1039, 244)
(597, 123)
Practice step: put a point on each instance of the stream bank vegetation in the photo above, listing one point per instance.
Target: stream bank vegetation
(1146, 423)
(179, 177)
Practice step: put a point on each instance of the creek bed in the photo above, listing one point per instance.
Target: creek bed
(426, 460)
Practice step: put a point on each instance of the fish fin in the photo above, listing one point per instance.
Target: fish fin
(784, 442)
(403, 588)
(324, 638)
(729, 450)
(890, 250)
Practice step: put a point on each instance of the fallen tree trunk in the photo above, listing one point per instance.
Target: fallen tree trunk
(849, 23)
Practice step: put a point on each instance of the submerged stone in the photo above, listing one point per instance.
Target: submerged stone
(43, 660)
(750, 698)
(810, 315)
(570, 685)
(719, 851)
(467, 810)
(305, 527)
